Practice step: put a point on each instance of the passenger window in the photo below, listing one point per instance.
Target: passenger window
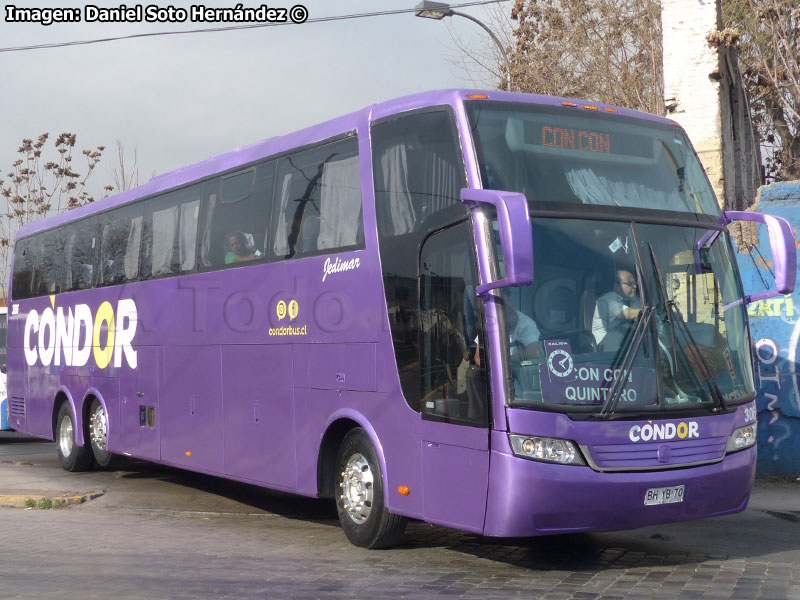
(81, 252)
(317, 206)
(23, 269)
(170, 233)
(187, 234)
(238, 186)
(49, 261)
(236, 213)
(418, 175)
(121, 237)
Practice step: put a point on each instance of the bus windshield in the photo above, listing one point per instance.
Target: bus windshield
(558, 154)
(572, 331)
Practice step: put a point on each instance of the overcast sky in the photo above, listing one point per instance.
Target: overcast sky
(180, 99)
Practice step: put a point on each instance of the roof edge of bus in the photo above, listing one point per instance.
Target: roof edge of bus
(311, 134)
(580, 103)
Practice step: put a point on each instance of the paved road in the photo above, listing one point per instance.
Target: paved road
(161, 533)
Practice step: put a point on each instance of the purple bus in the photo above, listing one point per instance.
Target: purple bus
(509, 314)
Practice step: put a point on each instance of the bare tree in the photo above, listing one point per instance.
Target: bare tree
(35, 187)
(766, 34)
(474, 48)
(126, 173)
(605, 50)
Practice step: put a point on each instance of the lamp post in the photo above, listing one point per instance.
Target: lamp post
(428, 9)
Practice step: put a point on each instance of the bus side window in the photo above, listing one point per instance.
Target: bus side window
(81, 251)
(418, 174)
(121, 234)
(317, 206)
(170, 233)
(236, 204)
(23, 269)
(48, 263)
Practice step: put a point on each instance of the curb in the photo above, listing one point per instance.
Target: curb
(59, 501)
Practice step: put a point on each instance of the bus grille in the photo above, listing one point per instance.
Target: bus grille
(657, 455)
(16, 406)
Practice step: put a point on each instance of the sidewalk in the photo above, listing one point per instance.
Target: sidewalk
(29, 470)
(22, 483)
(776, 496)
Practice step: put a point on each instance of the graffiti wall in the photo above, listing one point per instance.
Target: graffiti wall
(775, 330)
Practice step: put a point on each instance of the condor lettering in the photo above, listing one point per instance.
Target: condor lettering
(653, 432)
(69, 336)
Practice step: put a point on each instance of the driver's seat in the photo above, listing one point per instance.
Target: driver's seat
(557, 310)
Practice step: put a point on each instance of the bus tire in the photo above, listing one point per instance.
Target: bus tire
(98, 436)
(72, 456)
(360, 497)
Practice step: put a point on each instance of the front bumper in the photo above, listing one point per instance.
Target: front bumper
(529, 498)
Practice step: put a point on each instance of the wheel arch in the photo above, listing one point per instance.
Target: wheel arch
(91, 394)
(339, 424)
(62, 396)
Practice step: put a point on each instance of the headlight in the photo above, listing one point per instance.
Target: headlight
(554, 450)
(742, 438)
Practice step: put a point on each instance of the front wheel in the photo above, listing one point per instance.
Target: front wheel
(71, 456)
(359, 495)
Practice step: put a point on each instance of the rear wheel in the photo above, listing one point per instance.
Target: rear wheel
(98, 436)
(359, 495)
(72, 456)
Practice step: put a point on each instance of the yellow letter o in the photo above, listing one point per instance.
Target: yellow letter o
(102, 356)
(683, 430)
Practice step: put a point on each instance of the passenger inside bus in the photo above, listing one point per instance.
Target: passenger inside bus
(241, 247)
(523, 334)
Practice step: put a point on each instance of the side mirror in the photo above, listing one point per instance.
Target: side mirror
(516, 238)
(782, 244)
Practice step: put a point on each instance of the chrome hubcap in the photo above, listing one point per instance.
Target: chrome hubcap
(357, 488)
(65, 439)
(97, 427)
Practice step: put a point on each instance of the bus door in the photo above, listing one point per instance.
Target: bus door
(453, 388)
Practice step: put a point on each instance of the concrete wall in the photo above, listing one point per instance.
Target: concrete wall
(775, 330)
(704, 94)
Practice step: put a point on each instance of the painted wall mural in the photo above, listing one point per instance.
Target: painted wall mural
(775, 331)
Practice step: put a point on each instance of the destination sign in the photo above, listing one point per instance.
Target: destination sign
(565, 381)
(553, 135)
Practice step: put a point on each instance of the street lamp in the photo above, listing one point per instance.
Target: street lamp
(439, 10)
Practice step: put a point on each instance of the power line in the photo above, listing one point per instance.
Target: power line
(235, 27)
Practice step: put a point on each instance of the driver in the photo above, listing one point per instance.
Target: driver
(618, 309)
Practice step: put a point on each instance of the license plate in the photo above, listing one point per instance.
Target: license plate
(665, 495)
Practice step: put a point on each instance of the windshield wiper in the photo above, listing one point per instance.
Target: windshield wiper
(639, 334)
(615, 393)
(665, 300)
(673, 316)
